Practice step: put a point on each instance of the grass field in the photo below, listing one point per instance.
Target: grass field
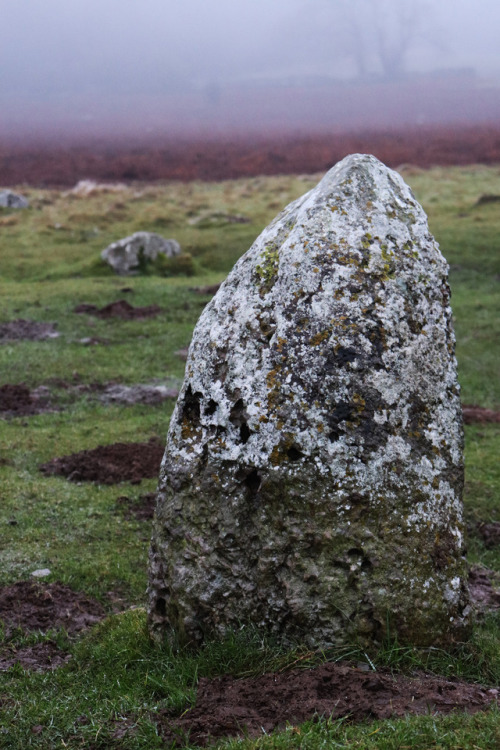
(49, 263)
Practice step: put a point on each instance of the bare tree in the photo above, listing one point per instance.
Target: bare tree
(378, 34)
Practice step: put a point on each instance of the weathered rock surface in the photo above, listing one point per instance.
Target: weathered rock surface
(9, 199)
(313, 471)
(126, 256)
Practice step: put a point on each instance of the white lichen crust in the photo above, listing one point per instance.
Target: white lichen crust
(313, 471)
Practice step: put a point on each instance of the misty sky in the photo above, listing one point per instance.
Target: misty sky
(52, 46)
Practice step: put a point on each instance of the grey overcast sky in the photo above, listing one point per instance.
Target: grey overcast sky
(70, 48)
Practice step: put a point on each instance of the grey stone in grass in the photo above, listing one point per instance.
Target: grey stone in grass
(9, 199)
(125, 256)
(313, 473)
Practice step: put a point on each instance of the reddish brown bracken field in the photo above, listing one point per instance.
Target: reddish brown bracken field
(48, 163)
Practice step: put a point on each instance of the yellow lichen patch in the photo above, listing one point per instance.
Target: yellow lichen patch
(318, 338)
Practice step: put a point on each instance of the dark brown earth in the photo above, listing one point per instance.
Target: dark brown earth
(19, 401)
(484, 588)
(40, 658)
(226, 706)
(15, 330)
(479, 415)
(119, 309)
(32, 606)
(142, 509)
(110, 464)
(489, 533)
(60, 164)
(35, 606)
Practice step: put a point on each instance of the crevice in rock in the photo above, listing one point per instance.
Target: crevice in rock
(294, 453)
(211, 408)
(253, 481)
(245, 432)
(191, 410)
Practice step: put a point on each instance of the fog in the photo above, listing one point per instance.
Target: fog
(81, 66)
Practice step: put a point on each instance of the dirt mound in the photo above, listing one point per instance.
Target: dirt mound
(489, 533)
(137, 394)
(119, 309)
(16, 330)
(226, 706)
(484, 588)
(479, 415)
(142, 509)
(31, 605)
(16, 400)
(110, 464)
(41, 657)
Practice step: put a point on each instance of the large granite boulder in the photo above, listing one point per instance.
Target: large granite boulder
(9, 199)
(313, 472)
(131, 254)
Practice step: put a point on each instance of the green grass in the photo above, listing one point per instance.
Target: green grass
(117, 677)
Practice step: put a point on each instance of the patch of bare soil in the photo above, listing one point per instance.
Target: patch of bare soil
(489, 533)
(16, 400)
(226, 706)
(33, 606)
(484, 588)
(119, 309)
(479, 415)
(142, 509)
(16, 330)
(110, 464)
(41, 657)
(206, 289)
(137, 394)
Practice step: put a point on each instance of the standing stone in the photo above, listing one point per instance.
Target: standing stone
(313, 470)
(125, 256)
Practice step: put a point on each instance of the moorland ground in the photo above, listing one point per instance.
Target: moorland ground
(77, 668)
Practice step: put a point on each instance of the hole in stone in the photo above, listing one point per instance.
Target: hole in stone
(191, 409)
(294, 453)
(244, 432)
(333, 435)
(253, 482)
(161, 607)
(211, 407)
(237, 415)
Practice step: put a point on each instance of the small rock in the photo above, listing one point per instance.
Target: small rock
(126, 256)
(8, 199)
(41, 573)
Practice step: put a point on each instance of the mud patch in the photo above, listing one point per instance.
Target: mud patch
(142, 509)
(41, 657)
(16, 330)
(120, 309)
(34, 606)
(226, 706)
(484, 589)
(110, 464)
(16, 400)
(137, 394)
(207, 289)
(479, 415)
(489, 533)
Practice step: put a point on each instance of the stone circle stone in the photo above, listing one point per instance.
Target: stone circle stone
(9, 199)
(313, 472)
(125, 256)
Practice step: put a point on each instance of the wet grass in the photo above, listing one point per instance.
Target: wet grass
(117, 677)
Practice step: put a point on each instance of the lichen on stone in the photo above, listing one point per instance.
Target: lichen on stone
(313, 470)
